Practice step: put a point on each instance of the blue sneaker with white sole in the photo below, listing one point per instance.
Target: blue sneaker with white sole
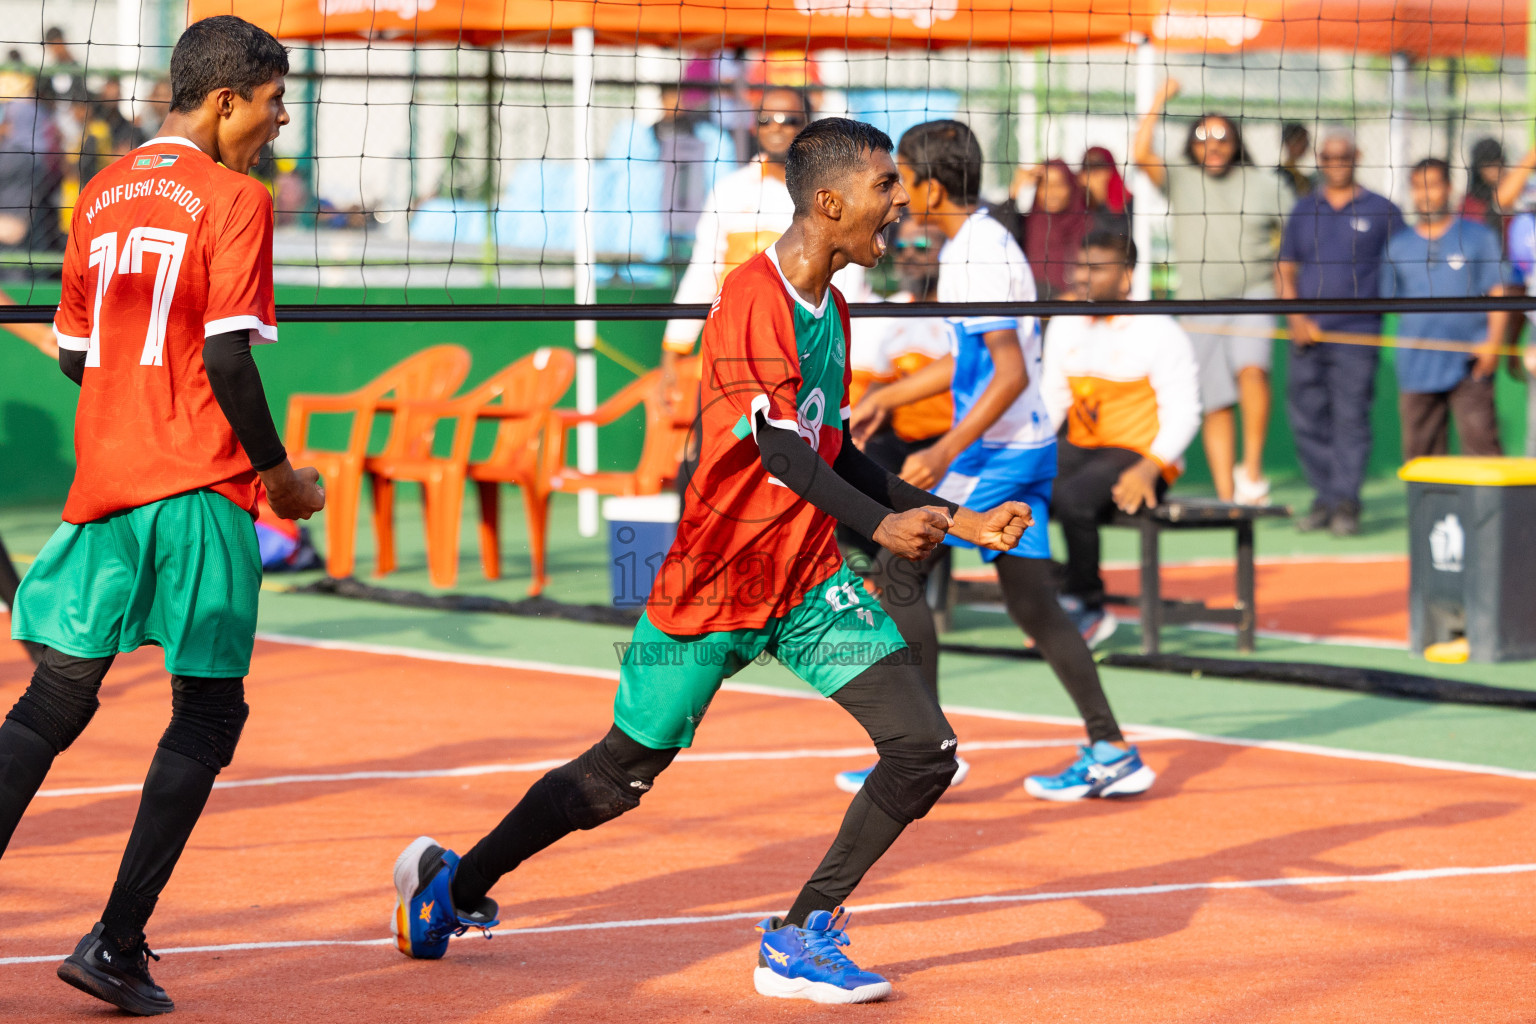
(852, 782)
(425, 917)
(1103, 770)
(809, 963)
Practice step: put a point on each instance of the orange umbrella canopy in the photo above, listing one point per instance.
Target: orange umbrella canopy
(696, 24)
(1418, 28)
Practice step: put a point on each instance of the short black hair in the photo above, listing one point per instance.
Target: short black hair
(1432, 163)
(53, 35)
(1117, 242)
(1293, 130)
(946, 152)
(222, 52)
(824, 152)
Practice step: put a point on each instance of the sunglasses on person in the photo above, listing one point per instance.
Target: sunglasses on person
(1214, 133)
(787, 120)
(914, 245)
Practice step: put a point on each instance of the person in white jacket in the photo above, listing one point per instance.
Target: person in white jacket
(1128, 390)
(745, 213)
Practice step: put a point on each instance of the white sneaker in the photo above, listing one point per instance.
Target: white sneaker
(1248, 491)
(962, 769)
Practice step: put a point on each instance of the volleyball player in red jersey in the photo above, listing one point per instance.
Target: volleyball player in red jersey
(167, 282)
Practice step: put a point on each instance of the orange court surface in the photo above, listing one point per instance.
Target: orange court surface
(1254, 883)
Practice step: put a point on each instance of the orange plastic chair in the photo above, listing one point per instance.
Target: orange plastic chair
(429, 375)
(527, 390)
(666, 433)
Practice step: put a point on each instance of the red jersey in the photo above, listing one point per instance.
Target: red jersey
(166, 248)
(748, 548)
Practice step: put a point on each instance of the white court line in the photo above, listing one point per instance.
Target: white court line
(1412, 875)
(469, 771)
(1148, 731)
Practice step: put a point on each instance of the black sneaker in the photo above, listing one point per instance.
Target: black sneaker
(97, 968)
(1345, 521)
(1319, 518)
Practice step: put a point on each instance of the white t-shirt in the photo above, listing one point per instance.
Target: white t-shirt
(745, 213)
(878, 342)
(983, 263)
(1132, 381)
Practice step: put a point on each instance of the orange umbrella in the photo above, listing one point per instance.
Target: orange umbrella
(1417, 28)
(692, 24)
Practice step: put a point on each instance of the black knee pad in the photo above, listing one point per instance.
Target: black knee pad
(607, 780)
(207, 716)
(61, 699)
(910, 777)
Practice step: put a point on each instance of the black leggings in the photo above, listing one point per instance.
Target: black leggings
(889, 699)
(1081, 501)
(1030, 595)
(206, 719)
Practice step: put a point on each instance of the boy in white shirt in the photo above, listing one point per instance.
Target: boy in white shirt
(1001, 448)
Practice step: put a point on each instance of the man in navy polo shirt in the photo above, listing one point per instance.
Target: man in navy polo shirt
(1332, 249)
(1443, 255)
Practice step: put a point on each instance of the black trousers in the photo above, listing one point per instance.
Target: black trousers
(1328, 399)
(1081, 502)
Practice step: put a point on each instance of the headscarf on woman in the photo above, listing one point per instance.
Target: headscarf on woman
(1052, 240)
(1118, 200)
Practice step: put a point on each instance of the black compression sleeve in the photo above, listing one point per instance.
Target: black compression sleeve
(880, 483)
(72, 364)
(794, 464)
(237, 387)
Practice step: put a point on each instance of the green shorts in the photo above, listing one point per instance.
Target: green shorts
(666, 682)
(183, 573)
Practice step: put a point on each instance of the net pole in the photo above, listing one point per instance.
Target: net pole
(1530, 72)
(1141, 223)
(586, 278)
(1397, 130)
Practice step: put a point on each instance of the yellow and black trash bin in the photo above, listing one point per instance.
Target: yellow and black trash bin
(1472, 558)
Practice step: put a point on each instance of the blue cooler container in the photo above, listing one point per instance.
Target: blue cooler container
(640, 533)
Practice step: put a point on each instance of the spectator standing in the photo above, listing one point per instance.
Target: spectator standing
(1295, 140)
(1128, 392)
(683, 152)
(1225, 230)
(1493, 188)
(1109, 201)
(1052, 232)
(745, 213)
(1332, 249)
(1442, 256)
(65, 80)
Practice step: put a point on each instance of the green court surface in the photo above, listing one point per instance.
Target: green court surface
(1258, 711)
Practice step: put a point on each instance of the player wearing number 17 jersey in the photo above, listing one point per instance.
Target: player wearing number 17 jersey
(167, 282)
(755, 570)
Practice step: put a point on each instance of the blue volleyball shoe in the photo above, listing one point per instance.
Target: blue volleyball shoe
(425, 917)
(1103, 770)
(809, 963)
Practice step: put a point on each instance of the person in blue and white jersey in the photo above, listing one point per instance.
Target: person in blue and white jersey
(1000, 447)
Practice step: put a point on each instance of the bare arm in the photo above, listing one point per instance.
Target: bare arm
(877, 404)
(1303, 330)
(1514, 179)
(1142, 151)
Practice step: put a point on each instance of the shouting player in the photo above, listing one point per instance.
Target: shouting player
(167, 282)
(755, 569)
(1001, 447)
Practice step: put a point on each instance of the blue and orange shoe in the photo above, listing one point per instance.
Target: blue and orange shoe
(809, 963)
(425, 917)
(1102, 770)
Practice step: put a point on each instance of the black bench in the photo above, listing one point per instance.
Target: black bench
(1176, 514)
(1194, 514)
